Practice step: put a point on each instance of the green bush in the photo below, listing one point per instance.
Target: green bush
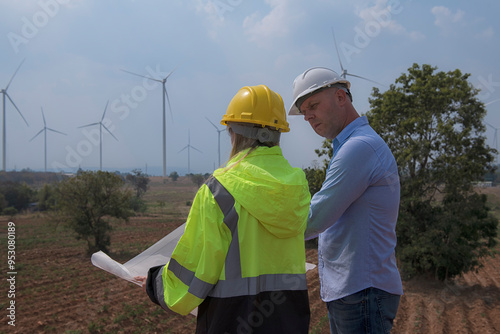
(9, 211)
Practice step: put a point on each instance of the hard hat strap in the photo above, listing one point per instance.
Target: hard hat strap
(264, 135)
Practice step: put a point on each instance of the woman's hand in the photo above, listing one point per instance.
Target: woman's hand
(142, 280)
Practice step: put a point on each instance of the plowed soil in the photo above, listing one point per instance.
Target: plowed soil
(57, 290)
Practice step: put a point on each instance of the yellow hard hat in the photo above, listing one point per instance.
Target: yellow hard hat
(257, 105)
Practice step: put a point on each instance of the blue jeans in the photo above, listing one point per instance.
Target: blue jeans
(368, 311)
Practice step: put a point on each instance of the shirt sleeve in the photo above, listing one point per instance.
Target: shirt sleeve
(347, 177)
(198, 259)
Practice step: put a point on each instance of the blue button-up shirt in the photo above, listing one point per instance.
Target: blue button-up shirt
(355, 215)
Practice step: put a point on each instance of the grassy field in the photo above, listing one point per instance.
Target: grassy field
(57, 290)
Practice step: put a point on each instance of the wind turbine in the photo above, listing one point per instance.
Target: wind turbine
(44, 130)
(164, 94)
(189, 147)
(218, 133)
(4, 136)
(344, 72)
(101, 125)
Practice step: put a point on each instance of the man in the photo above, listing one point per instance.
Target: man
(355, 211)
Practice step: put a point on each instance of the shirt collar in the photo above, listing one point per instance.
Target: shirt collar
(348, 130)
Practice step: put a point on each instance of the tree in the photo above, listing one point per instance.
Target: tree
(197, 179)
(174, 176)
(315, 175)
(88, 199)
(17, 195)
(433, 123)
(139, 181)
(47, 197)
(9, 211)
(3, 202)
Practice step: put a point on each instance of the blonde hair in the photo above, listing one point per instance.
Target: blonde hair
(241, 143)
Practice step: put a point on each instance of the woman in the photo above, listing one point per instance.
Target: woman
(241, 259)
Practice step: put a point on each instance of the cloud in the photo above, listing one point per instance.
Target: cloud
(209, 10)
(445, 19)
(486, 34)
(383, 15)
(214, 14)
(218, 16)
(266, 30)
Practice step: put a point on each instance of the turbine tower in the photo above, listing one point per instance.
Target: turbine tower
(218, 133)
(189, 147)
(4, 132)
(44, 130)
(101, 125)
(164, 94)
(495, 140)
(344, 72)
(495, 136)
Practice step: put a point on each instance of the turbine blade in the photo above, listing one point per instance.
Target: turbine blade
(168, 75)
(336, 49)
(12, 78)
(19, 111)
(37, 134)
(357, 76)
(142, 76)
(43, 116)
(212, 124)
(104, 113)
(172, 71)
(104, 126)
(183, 148)
(57, 131)
(194, 148)
(84, 126)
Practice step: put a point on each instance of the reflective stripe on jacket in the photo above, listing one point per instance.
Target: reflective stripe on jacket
(244, 236)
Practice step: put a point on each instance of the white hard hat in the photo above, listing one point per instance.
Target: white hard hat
(312, 80)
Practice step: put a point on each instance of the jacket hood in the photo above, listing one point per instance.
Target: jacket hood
(272, 191)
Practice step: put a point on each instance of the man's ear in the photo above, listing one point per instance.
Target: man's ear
(341, 96)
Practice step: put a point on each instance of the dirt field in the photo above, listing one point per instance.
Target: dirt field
(57, 290)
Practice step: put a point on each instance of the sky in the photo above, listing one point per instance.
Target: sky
(75, 55)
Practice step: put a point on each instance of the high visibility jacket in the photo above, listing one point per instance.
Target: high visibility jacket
(242, 258)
